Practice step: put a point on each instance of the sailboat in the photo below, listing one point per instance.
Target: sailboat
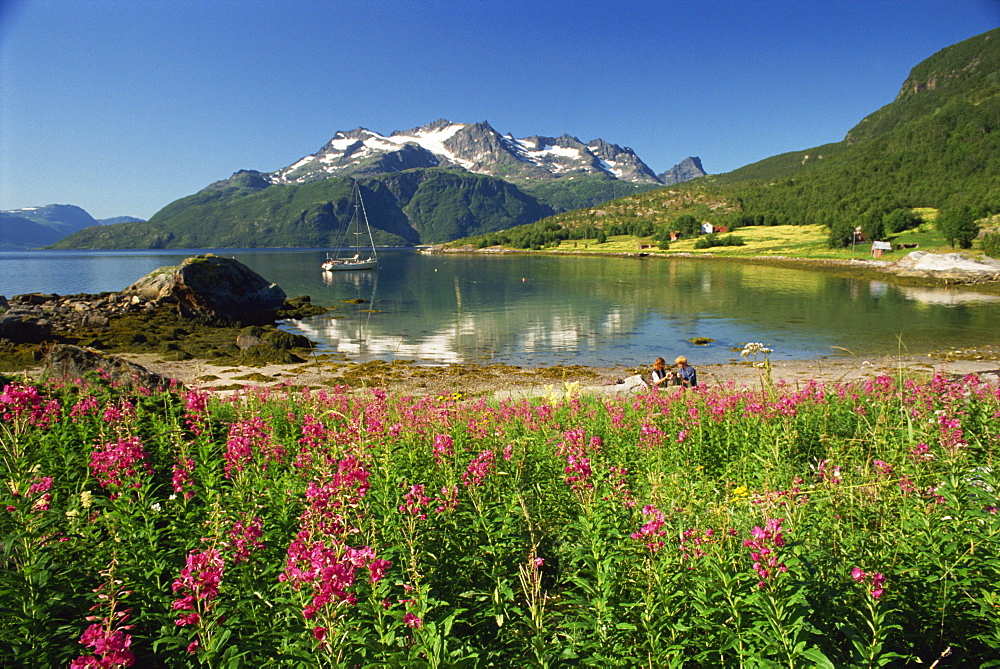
(360, 255)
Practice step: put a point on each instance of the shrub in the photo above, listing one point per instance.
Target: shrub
(712, 239)
(991, 244)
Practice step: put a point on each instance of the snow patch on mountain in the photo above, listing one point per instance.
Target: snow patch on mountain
(474, 147)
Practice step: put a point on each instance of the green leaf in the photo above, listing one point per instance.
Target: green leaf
(818, 657)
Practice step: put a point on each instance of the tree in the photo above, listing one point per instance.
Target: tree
(841, 234)
(687, 224)
(873, 227)
(901, 219)
(958, 226)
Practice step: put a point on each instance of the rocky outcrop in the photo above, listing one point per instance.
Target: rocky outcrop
(73, 362)
(949, 267)
(212, 288)
(687, 169)
(34, 317)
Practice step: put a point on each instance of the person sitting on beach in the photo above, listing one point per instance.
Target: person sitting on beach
(660, 376)
(686, 374)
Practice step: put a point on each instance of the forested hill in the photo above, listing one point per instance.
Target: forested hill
(936, 145)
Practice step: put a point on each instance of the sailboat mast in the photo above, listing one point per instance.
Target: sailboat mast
(368, 227)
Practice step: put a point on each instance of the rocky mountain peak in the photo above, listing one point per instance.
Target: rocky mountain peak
(687, 169)
(475, 147)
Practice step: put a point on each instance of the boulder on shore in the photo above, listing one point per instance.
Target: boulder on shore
(65, 361)
(957, 267)
(213, 288)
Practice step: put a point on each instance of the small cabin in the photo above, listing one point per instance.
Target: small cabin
(707, 228)
(878, 248)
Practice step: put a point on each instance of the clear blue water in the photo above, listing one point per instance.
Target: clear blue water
(541, 310)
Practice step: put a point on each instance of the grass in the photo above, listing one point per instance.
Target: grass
(807, 242)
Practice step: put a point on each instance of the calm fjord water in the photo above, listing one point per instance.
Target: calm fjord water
(541, 310)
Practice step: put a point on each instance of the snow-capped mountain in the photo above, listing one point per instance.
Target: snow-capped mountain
(476, 147)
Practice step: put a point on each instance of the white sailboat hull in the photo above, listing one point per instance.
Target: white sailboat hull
(364, 256)
(333, 265)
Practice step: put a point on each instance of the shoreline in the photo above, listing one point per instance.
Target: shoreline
(478, 379)
(863, 267)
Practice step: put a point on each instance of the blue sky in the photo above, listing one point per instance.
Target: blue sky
(122, 106)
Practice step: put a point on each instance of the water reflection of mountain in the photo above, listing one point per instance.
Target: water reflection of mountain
(592, 310)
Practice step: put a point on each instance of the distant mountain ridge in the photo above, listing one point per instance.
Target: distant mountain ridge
(429, 184)
(32, 227)
(475, 147)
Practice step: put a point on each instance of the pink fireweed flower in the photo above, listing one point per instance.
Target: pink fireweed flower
(875, 579)
(411, 620)
(478, 469)
(617, 415)
(111, 646)
(246, 439)
(328, 572)
(694, 541)
(448, 500)
(650, 436)
(314, 432)
(377, 569)
(245, 538)
(618, 478)
(118, 463)
(573, 442)
(328, 504)
(578, 472)
(124, 410)
(39, 489)
(763, 544)
(443, 448)
(906, 485)
(414, 502)
(921, 452)
(951, 432)
(24, 404)
(182, 479)
(40, 485)
(882, 467)
(319, 562)
(652, 530)
(196, 407)
(84, 407)
(198, 583)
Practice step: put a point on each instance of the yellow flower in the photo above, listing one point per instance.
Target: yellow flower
(740, 491)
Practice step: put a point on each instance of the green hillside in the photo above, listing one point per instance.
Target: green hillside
(405, 208)
(937, 146)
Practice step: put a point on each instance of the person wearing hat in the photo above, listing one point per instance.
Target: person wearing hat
(686, 373)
